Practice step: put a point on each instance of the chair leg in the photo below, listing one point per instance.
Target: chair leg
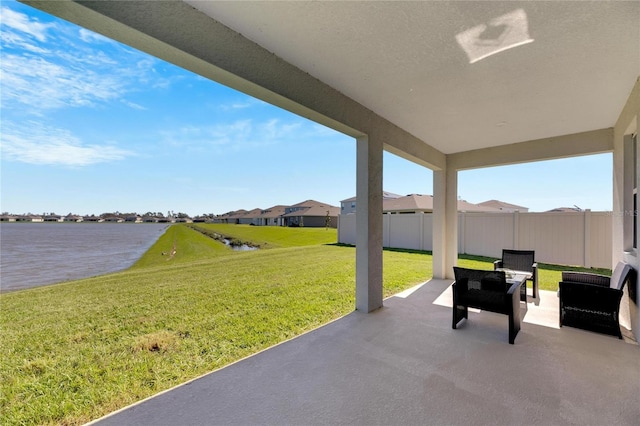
(459, 313)
(514, 320)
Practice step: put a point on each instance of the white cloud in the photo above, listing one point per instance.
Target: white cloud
(90, 37)
(52, 66)
(236, 136)
(133, 105)
(34, 143)
(22, 23)
(42, 85)
(242, 104)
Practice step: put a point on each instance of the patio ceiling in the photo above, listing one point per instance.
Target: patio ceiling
(572, 70)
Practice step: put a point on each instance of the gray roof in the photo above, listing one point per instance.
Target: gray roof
(314, 208)
(271, 212)
(420, 202)
(385, 196)
(502, 205)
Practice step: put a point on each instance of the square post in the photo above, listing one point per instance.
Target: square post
(368, 224)
(445, 222)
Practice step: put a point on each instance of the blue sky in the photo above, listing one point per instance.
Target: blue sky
(89, 126)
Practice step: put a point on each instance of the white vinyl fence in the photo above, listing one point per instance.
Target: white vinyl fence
(567, 238)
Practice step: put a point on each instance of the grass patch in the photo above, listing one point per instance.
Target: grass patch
(274, 236)
(160, 341)
(72, 352)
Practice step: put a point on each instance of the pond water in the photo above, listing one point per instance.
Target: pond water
(35, 254)
(243, 247)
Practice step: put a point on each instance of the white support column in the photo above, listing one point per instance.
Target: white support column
(368, 224)
(445, 222)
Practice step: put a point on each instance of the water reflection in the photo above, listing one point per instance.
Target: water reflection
(240, 247)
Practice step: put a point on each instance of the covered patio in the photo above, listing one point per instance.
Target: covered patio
(405, 365)
(451, 86)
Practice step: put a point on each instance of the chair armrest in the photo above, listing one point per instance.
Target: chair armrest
(586, 278)
(497, 264)
(514, 289)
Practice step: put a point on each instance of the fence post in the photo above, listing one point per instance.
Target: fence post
(587, 238)
(421, 216)
(516, 229)
(387, 229)
(462, 235)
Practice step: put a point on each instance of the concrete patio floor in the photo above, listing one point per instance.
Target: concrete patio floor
(405, 365)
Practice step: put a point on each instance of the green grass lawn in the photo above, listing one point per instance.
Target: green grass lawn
(75, 351)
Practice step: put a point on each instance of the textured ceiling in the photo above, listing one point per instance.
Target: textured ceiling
(572, 72)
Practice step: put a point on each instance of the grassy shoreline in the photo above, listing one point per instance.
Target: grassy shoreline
(73, 352)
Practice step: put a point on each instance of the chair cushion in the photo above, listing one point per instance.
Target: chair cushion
(619, 276)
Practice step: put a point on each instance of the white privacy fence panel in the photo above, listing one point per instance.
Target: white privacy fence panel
(405, 230)
(347, 229)
(599, 240)
(556, 237)
(581, 238)
(485, 234)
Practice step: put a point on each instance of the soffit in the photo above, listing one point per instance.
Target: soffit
(402, 61)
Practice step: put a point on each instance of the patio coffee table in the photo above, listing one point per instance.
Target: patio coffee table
(516, 277)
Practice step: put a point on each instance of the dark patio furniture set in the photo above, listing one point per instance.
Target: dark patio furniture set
(587, 301)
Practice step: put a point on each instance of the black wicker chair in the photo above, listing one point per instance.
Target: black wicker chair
(487, 290)
(521, 260)
(592, 302)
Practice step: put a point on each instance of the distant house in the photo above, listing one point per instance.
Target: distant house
(419, 203)
(72, 218)
(348, 206)
(7, 218)
(114, 219)
(30, 218)
(416, 203)
(574, 209)
(92, 218)
(222, 218)
(272, 216)
(311, 213)
(52, 218)
(505, 207)
(235, 216)
(250, 217)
